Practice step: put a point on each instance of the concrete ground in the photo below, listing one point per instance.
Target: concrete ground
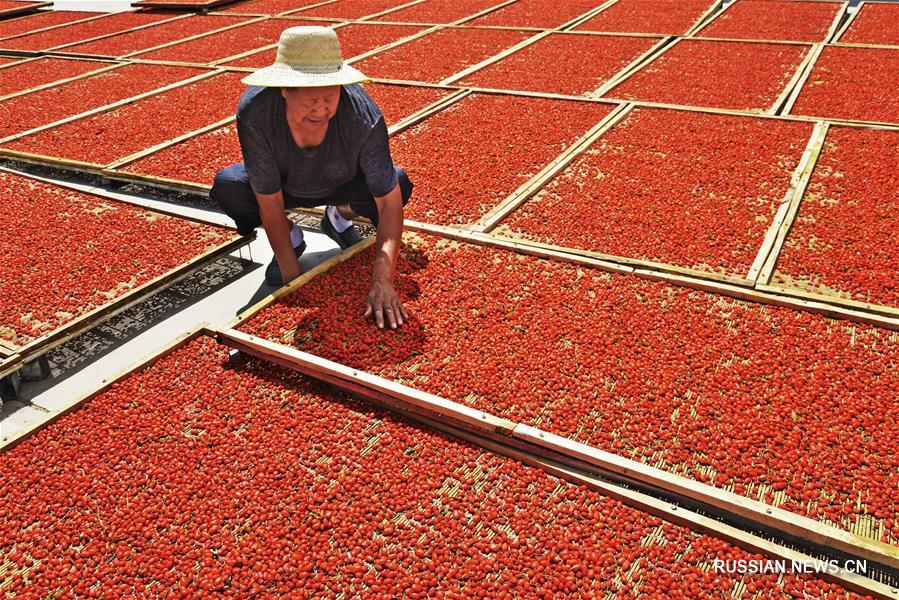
(214, 294)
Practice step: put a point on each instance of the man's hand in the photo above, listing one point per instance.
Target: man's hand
(277, 228)
(384, 306)
(383, 303)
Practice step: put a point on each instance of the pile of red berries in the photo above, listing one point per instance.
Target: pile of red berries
(85, 30)
(735, 75)
(788, 407)
(789, 20)
(149, 37)
(535, 13)
(115, 134)
(438, 55)
(193, 477)
(562, 64)
(223, 44)
(670, 17)
(691, 189)
(877, 23)
(843, 240)
(21, 113)
(852, 83)
(41, 20)
(438, 11)
(42, 71)
(464, 160)
(66, 256)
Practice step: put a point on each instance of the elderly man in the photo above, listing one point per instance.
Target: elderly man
(311, 136)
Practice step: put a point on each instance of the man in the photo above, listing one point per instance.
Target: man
(312, 136)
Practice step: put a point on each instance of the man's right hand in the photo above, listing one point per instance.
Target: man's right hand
(292, 271)
(277, 228)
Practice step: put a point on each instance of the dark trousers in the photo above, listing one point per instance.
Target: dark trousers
(231, 190)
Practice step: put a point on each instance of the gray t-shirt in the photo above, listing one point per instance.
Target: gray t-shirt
(356, 141)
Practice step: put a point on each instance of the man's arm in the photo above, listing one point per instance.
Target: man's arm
(383, 302)
(277, 228)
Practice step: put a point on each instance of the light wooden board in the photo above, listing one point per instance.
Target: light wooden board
(787, 210)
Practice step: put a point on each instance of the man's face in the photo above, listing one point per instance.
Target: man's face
(312, 107)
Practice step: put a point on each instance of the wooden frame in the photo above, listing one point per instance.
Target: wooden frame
(26, 8)
(697, 34)
(9, 365)
(799, 83)
(753, 512)
(114, 306)
(667, 511)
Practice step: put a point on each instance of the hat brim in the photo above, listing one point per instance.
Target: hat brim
(283, 76)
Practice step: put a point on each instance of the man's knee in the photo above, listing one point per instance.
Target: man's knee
(406, 184)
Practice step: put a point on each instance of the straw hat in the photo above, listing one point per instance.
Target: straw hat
(307, 57)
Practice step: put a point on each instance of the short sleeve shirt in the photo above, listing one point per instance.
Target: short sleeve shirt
(356, 141)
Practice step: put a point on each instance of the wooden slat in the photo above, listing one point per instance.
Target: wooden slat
(828, 309)
(884, 309)
(799, 82)
(696, 32)
(797, 189)
(336, 374)
(672, 512)
(634, 262)
(301, 281)
(526, 190)
(705, 17)
(798, 76)
(745, 508)
(587, 15)
(156, 148)
(798, 183)
(26, 8)
(495, 58)
(839, 33)
(9, 365)
(632, 67)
